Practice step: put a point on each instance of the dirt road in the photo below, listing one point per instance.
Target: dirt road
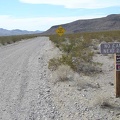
(24, 90)
(28, 92)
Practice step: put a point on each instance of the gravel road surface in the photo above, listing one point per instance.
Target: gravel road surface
(24, 87)
(28, 92)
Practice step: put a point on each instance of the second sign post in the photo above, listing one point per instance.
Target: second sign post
(113, 48)
(117, 72)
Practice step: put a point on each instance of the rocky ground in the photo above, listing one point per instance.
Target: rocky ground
(29, 91)
(89, 97)
(25, 93)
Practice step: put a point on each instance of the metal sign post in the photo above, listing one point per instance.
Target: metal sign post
(113, 48)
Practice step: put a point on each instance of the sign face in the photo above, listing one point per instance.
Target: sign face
(60, 31)
(117, 57)
(110, 48)
(117, 66)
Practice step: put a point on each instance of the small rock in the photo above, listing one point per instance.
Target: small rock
(4, 109)
(85, 90)
(111, 83)
(83, 95)
(79, 89)
(112, 112)
(48, 91)
(98, 85)
(118, 114)
(86, 109)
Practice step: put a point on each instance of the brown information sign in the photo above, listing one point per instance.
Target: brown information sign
(113, 48)
(117, 66)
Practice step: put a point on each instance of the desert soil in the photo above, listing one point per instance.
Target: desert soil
(29, 92)
(25, 93)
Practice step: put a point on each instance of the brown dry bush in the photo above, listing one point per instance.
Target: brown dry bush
(102, 100)
(63, 73)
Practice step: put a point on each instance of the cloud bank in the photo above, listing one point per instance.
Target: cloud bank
(39, 23)
(88, 4)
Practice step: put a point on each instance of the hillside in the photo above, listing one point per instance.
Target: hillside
(110, 22)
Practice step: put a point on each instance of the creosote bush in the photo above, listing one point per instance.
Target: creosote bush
(77, 49)
(76, 53)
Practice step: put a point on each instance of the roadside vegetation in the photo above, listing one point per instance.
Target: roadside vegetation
(75, 61)
(79, 49)
(4, 40)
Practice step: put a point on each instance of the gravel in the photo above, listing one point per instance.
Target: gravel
(89, 97)
(28, 92)
(24, 87)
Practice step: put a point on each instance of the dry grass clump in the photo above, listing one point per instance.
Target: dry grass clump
(62, 74)
(54, 63)
(102, 99)
(84, 82)
(80, 82)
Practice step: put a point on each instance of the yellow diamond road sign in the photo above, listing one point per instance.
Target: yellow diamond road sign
(60, 31)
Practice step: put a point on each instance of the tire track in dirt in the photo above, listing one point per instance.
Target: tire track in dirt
(25, 92)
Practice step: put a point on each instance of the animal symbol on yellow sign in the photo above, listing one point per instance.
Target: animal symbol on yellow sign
(60, 31)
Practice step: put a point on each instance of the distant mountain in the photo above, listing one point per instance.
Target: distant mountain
(111, 22)
(4, 32)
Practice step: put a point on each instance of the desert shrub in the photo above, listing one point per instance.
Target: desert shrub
(62, 74)
(102, 100)
(54, 63)
(76, 53)
(67, 48)
(78, 49)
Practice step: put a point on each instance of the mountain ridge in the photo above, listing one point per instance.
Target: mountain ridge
(5, 32)
(110, 22)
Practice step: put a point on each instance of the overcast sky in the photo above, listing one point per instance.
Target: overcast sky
(42, 14)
